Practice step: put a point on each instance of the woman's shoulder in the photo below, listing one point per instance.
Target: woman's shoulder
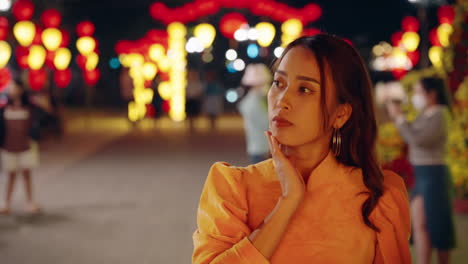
(394, 198)
(254, 172)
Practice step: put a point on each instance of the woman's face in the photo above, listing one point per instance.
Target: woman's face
(14, 90)
(294, 108)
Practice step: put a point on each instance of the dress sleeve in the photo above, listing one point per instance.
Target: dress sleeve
(434, 131)
(392, 217)
(222, 233)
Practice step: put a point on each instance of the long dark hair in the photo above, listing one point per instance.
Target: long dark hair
(436, 85)
(353, 86)
(24, 97)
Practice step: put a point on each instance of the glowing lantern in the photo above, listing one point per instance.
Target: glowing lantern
(414, 57)
(292, 27)
(5, 78)
(36, 58)
(37, 79)
(266, 33)
(24, 32)
(435, 55)
(23, 10)
(164, 64)
(434, 38)
(62, 59)
(177, 30)
(92, 61)
(156, 52)
(3, 28)
(230, 23)
(85, 28)
(396, 38)
(86, 45)
(65, 39)
(51, 18)
(52, 37)
(205, 33)
(21, 54)
(410, 41)
(5, 53)
(443, 32)
(62, 78)
(149, 71)
(410, 24)
(446, 14)
(92, 77)
(165, 90)
(81, 61)
(49, 60)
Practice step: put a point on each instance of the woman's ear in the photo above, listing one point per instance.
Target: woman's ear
(344, 112)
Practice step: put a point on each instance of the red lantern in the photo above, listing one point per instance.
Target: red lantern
(38, 37)
(3, 28)
(158, 10)
(62, 78)
(65, 39)
(446, 14)
(49, 61)
(51, 18)
(81, 61)
(123, 46)
(37, 79)
(150, 111)
(312, 12)
(398, 73)
(23, 10)
(21, 54)
(166, 106)
(410, 24)
(396, 38)
(4, 22)
(85, 28)
(414, 57)
(434, 38)
(5, 78)
(310, 32)
(230, 23)
(92, 77)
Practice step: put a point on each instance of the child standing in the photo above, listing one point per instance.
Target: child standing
(19, 152)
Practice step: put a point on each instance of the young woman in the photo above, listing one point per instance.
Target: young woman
(322, 198)
(431, 203)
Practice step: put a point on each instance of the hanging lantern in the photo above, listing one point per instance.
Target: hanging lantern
(49, 60)
(443, 33)
(86, 45)
(65, 39)
(177, 30)
(205, 33)
(37, 79)
(85, 28)
(433, 38)
(149, 70)
(396, 38)
(230, 23)
(410, 24)
(52, 37)
(62, 78)
(81, 61)
(410, 41)
(92, 77)
(4, 25)
(446, 14)
(24, 32)
(36, 57)
(62, 59)
(23, 10)
(435, 55)
(5, 53)
(22, 54)
(292, 27)
(92, 61)
(414, 57)
(156, 52)
(5, 78)
(165, 90)
(164, 64)
(51, 18)
(266, 33)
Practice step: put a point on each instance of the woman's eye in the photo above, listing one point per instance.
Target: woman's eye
(277, 83)
(305, 90)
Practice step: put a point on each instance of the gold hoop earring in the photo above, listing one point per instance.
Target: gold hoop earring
(336, 142)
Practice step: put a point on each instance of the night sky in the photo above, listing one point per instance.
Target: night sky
(365, 22)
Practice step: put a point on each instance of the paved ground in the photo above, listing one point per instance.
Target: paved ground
(117, 194)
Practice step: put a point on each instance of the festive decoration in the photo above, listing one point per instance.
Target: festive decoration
(51, 18)
(23, 10)
(36, 58)
(410, 24)
(5, 78)
(205, 33)
(4, 27)
(62, 59)
(5, 53)
(52, 38)
(410, 41)
(92, 61)
(86, 45)
(85, 29)
(92, 77)
(37, 79)
(24, 32)
(62, 78)
(266, 33)
(230, 23)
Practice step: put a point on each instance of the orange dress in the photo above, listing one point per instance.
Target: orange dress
(326, 228)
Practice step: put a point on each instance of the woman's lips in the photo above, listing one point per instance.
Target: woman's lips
(281, 122)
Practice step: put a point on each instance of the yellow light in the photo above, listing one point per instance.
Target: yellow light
(134, 60)
(5, 53)
(156, 52)
(443, 32)
(24, 32)
(378, 50)
(52, 38)
(177, 112)
(205, 33)
(164, 64)
(62, 58)
(266, 33)
(410, 41)
(86, 45)
(36, 58)
(136, 111)
(435, 55)
(92, 61)
(135, 73)
(177, 30)
(149, 71)
(399, 59)
(292, 27)
(165, 90)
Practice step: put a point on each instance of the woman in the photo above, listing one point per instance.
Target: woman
(431, 208)
(322, 198)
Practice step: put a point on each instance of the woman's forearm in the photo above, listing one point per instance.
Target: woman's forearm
(268, 235)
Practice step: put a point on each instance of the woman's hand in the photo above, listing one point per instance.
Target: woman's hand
(292, 183)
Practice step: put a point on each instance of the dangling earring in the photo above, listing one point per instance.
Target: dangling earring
(336, 142)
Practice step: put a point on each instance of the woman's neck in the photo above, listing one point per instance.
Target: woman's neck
(308, 156)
